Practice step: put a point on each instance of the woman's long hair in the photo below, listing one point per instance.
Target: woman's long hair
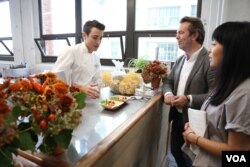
(235, 65)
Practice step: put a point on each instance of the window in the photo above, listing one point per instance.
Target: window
(161, 48)
(156, 22)
(110, 12)
(193, 10)
(156, 32)
(55, 13)
(111, 48)
(113, 14)
(6, 44)
(134, 28)
(57, 27)
(50, 48)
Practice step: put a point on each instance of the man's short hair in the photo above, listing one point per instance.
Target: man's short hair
(92, 23)
(195, 26)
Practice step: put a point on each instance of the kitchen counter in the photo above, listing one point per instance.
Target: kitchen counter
(128, 136)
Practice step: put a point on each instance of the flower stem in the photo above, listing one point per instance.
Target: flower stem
(26, 130)
(2, 152)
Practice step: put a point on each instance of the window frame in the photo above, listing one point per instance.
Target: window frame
(119, 34)
(131, 35)
(6, 57)
(77, 34)
(51, 58)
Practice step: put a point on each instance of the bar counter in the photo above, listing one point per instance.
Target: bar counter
(128, 136)
(124, 137)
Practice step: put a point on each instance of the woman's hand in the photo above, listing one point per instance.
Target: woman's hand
(188, 132)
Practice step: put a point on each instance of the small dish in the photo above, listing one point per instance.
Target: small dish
(111, 104)
(119, 98)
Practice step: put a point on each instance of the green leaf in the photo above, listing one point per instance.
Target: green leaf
(26, 127)
(48, 145)
(18, 111)
(115, 97)
(26, 141)
(139, 63)
(104, 101)
(10, 118)
(6, 158)
(51, 142)
(63, 138)
(15, 143)
(80, 99)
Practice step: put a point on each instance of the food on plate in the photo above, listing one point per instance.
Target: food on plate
(119, 98)
(111, 104)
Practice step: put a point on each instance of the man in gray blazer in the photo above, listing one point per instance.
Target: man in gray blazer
(188, 83)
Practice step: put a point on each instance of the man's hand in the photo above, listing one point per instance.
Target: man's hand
(168, 99)
(180, 101)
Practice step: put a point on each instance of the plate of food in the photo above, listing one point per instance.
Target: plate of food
(111, 104)
(119, 98)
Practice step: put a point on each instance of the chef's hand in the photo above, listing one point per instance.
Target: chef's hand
(91, 90)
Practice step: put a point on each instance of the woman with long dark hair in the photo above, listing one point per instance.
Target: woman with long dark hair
(228, 106)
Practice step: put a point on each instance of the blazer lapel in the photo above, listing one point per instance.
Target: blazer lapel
(178, 72)
(196, 67)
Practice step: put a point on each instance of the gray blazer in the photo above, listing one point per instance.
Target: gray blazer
(199, 82)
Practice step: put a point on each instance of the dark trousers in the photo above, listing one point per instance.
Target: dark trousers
(177, 141)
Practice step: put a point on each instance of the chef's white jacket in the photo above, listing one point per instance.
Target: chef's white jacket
(79, 66)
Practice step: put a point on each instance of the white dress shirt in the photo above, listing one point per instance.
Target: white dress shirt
(185, 71)
(79, 66)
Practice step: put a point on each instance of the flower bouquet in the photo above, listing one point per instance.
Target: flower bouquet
(154, 71)
(39, 107)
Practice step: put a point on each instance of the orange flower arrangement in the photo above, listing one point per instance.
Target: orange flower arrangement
(41, 105)
(154, 70)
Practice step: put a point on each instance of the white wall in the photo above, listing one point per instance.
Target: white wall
(216, 12)
(237, 10)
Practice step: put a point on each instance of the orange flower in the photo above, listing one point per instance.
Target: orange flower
(20, 85)
(25, 85)
(51, 75)
(5, 84)
(4, 108)
(61, 88)
(66, 101)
